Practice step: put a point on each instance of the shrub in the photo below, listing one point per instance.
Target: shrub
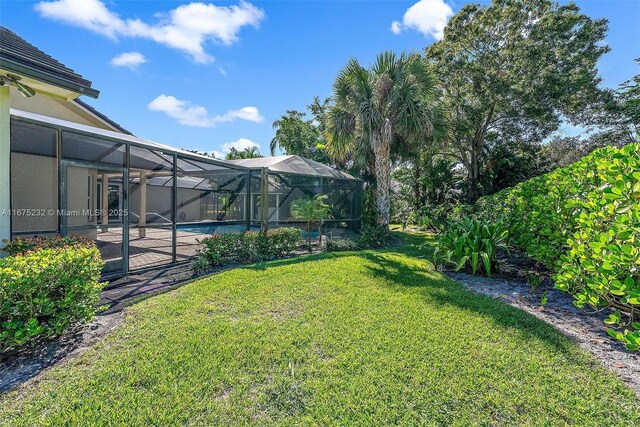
(246, 247)
(374, 237)
(44, 291)
(25, 245)
(473, 245)
(432, 218)
(282, 241)
(340, 245)
(583, 221)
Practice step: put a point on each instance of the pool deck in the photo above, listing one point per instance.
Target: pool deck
(150, 251)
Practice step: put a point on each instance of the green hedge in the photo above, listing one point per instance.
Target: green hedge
(583, 222)
(246, 247)
(44, 291)
(19, 245)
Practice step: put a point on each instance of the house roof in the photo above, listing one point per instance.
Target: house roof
(101, 116)
(22, 58)
(293, 165)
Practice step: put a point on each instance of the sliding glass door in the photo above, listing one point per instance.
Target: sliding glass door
(94, 205)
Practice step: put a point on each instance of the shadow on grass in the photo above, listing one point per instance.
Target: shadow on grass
(440, 290)
(388, 264)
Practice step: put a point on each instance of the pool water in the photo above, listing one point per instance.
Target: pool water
(213, 229)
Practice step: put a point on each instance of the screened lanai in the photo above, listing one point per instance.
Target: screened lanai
(293, 177)
(146, 204)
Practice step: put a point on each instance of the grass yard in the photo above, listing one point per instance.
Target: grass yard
(361, 338)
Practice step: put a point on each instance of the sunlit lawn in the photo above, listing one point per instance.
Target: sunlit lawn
(363, 338)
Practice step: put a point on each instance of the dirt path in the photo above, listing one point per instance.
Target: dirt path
(584, 327)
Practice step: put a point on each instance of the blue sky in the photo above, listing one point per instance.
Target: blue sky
(218, 74)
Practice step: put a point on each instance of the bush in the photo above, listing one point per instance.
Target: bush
(370, 237)
(44, 291)
(19, 246)
(583, 221)
(472, 245)
(246, 247)
(374, 237)
(437, 218)
(341, 245)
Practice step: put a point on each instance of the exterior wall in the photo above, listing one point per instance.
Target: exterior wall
(5, 158)
(188, 212)
(158, 200)
(34, 190)
(41, 104)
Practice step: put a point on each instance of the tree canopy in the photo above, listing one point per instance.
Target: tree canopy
(514, 70)
(295, 134)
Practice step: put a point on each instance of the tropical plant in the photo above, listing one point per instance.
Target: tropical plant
(382, 110)
(312, 211)
(473, 245)
(514, 70)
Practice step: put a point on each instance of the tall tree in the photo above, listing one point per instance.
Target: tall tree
(514, 70)
(380, 110)
(297, 135)
(617, 120)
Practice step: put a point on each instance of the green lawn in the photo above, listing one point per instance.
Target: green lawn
(363, 338)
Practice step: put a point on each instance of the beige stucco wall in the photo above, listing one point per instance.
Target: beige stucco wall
(40, 104)
(158, 201)
(34, 186)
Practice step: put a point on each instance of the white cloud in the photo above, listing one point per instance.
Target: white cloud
(90, 14)
(426, 16)
(396, 27)
(250, 114)
(130, 60)
(185, 28)
(239, 144)
(190, 114)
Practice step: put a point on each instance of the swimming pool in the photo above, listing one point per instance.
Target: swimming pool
(213, 229)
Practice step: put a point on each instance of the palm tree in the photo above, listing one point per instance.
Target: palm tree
(247, 153)
(312, 211)
(381, 111)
